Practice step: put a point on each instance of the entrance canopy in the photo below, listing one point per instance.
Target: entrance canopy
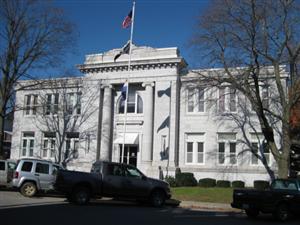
(130, 139)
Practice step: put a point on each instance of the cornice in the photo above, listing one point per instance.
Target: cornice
(135, 65)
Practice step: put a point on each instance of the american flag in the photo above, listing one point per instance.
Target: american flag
(127, 21)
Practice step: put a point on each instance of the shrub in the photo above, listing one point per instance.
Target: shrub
(171, 180)
(223, 183)
(207, 182)
(185, 179)
(238, 184)
(177, 171)
(261, 184)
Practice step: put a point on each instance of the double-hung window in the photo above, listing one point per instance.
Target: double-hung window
(31, 104)
(74, 103)
(227, 100)
(258, 147)
(27, 144)
(195, 99)
(49, 145)
(195, 153)
(227, 148)
(72, 145)
(52, 101)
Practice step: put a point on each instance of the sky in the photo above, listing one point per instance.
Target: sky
(158, 24)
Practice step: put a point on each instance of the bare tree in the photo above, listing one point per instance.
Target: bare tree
(250, 40)
(33, 35)
(64, 107)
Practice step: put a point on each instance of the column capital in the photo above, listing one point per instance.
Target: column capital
(145, 84)
(106, 86)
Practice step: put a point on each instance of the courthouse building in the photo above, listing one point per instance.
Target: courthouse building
(173, 120)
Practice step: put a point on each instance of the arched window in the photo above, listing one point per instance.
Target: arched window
(134, 103)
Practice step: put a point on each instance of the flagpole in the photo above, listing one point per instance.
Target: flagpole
(127, 90)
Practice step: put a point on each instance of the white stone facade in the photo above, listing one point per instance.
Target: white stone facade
(166, 126)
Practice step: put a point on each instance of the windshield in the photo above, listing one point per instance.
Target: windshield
(285, 185)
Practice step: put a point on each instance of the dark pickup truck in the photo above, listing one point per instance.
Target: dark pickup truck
(281, 199)
(108, 179)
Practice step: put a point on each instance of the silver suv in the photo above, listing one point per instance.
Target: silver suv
(33, 175)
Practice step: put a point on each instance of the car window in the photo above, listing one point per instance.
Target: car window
(132, 172)
(42, 168)
(284, 185)
(12, 165)
(26, 167)
(2, 165)
(114, 170)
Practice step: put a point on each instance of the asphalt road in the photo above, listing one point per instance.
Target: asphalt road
(16, 210)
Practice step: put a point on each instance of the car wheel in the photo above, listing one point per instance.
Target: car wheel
(157, 198)
(28, 189)
(252, 213)
(81, 196)
(281, 213)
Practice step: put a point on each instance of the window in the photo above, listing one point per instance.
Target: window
(72, 145)
(232, 153)
(49, 145)
(189, 154)
(26, 167)
(200, 152)
(27, 143)
(195, 149)
(74, 103)
(164, 146)
(227, 100)
(259, 147)
(227, 148)
(265, 97)
(132, 172)
(52, 101)
(221, 153)
(134, 101)
(42, 168)
(31, 104)
(2, 165)
(232, 100)
(114, 170)
(254, 159)
(195, 100)
(221, 99)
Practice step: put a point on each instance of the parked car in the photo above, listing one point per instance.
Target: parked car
(33, 175)
(108, 179)
(6, 172)
(281, 199)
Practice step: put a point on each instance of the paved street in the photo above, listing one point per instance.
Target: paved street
(16, 209)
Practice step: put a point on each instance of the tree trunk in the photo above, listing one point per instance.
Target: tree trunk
(1, 136)
(283, 167)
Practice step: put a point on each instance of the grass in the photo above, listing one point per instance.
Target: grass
(215, 195)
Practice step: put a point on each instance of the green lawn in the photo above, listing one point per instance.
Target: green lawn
(219, 195)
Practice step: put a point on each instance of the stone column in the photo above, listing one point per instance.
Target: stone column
(148, 123)
(106, 123)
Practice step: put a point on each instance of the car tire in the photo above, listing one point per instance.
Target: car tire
(252, 213)
(28, 189)
(81, 196)
(157, 198)
(281, 213)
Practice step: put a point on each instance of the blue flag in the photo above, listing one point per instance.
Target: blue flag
(124, 90)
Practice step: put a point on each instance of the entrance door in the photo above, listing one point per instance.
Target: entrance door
(130, 154)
